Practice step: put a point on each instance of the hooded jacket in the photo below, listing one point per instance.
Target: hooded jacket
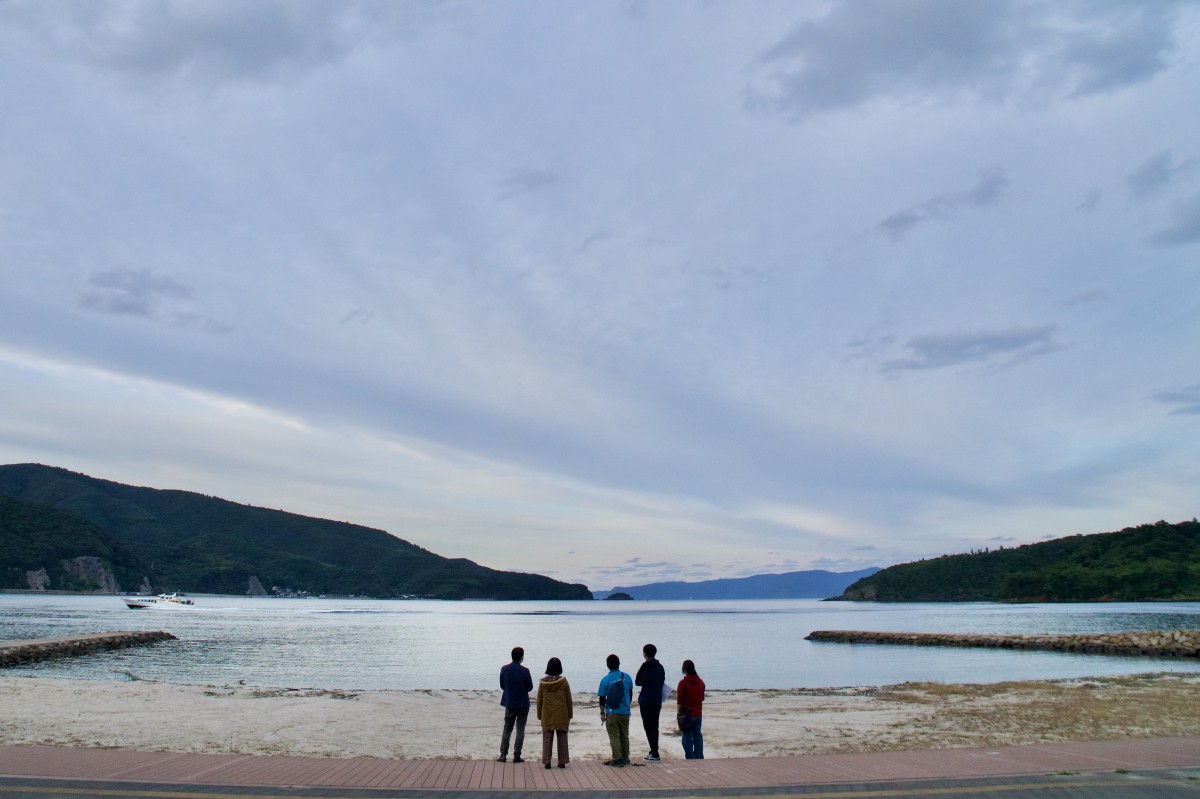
(691, 695)
(555, 708)
(651, 676)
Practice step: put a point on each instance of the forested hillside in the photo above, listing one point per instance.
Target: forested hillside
(43, 545)
(179, 540)
(1151, 562)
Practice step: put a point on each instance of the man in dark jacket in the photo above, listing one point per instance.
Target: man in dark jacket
(515, 684)
(651, 676)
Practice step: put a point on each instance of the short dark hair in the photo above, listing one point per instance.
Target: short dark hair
(649, 650)
(518, 654)
(554, 667)
(613, 662)
(689, 667)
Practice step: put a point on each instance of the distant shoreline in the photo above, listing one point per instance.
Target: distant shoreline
(50, 592)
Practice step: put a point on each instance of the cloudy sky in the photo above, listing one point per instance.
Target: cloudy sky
(613, 291)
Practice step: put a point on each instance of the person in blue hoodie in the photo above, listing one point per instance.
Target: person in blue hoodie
(515, 684)
(615, 708)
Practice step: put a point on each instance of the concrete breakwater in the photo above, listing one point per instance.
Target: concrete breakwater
(13, 653)
(1161, 643)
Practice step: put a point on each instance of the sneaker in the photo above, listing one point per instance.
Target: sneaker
(502, 759)
(617, 763)
(652, 758)
(518, 759)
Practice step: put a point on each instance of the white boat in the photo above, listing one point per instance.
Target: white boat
(168, 601)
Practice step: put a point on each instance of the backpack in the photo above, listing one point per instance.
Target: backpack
(614, 697)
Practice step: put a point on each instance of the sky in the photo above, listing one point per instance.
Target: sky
(617, 292)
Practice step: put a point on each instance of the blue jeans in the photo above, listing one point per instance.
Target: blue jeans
(693, 740)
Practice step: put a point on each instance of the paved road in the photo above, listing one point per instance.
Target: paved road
(1161, 784)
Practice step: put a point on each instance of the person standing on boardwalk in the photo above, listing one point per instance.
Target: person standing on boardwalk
(651, 677)
(555, 711)
(690, 699)
(515, 684)
(616, 700)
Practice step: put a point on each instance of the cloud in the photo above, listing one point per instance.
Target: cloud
(526, 181)
(1186, 399)
(1154, 175)
(1091, 200)
(634, 573)
(987, 191)
(634, 9)
(131, 292)
(1000, 349)
(594, 240)
(144, 293)
(215, 40)
(1115, 45)
(1087, 297)
(359, 316)
(938, 49)
(842, 564)
(1184, 227)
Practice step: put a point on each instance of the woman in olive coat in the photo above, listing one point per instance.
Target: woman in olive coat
(555, 711)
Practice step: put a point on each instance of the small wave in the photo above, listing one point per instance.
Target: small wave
(364, 612)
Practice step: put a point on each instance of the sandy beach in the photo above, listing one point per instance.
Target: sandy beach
(243, 719)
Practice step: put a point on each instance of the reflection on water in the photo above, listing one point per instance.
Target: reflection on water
(324, 643)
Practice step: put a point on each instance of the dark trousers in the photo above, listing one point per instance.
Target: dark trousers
(650, 725)
(548, 738)
(518, 716)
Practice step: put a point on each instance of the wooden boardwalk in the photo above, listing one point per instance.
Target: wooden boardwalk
(591, 776)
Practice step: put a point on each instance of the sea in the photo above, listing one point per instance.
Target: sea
(417, 644)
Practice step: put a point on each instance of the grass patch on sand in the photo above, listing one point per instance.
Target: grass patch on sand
(1025, 712)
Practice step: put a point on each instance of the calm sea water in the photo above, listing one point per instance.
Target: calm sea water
(370, 644)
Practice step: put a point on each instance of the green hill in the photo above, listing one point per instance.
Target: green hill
(43, 545)
(177, 540)
(1151, 562)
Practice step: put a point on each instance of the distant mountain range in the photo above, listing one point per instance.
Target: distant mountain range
(60, 530)
(1151, 562)
(816, 584)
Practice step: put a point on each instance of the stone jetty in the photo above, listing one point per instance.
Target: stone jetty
(1162, 643)
(13, 653)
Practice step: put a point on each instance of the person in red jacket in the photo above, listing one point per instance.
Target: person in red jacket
(691, 698)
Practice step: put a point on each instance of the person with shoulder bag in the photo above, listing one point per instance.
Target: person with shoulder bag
(690, 701)
(616, 701)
